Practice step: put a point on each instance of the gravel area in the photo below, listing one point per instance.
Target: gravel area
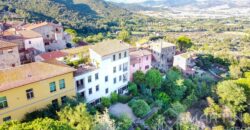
(122, 109)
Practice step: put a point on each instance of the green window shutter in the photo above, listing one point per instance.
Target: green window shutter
(52, 87)
(62, 84)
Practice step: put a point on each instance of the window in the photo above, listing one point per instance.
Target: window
(29, 42)
(3, 102)
(113, 57)
(96, 76)
(146, 67)
(55, 103)
(52, 87)
(90, 91)
(47, 36)
(147, 58)
(120, 55)
(114, 80)
(64, 99)
(125, 54)
(107, 90)
(120, 78)
(62, 84)
(125, 67)
(106, 78)
(120, 67)
(8, 118)
(80, 84)
(125, 77)
(133, 65)
(89, 79)
(97, 88)
(29, 93)
(1, 52)
(114, 69)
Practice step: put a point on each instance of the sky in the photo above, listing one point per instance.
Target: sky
(128, 1)
(138, 1)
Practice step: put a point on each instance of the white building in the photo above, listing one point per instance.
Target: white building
(185, 62)
(30, 43)
(32, 39)
(108, 73)
(52, 34)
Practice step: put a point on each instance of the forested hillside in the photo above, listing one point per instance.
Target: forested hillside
(87, 16)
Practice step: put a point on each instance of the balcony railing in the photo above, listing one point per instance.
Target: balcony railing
(80, 87)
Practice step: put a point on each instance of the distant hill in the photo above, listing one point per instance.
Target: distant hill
(88, 16)
(194, 3)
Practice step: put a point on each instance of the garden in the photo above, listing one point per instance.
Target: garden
(154, 102)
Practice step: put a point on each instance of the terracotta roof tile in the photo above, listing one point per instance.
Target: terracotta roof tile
(5, 44)
(30, 73)
(37, 25)
(53, 55)
(77, 50)
(139, 53)
(108, 47)
(28, 34)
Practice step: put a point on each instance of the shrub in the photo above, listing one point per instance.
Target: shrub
(246, 119)
(114, 97)
(176, 109)
(132, 88)
(123, 98)
(124, 122)
(106, 101)
(139, 107)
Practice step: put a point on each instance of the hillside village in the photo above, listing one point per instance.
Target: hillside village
(73, 65)
(35, 55)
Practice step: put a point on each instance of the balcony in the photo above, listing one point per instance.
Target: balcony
(80, 87)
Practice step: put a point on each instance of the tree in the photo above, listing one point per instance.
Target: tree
(106, 102)
(114, 97)
(213, 110)
(77, 117)
(139, 107)
(156, 122)
(190, 100)
(23, 14)
(235, 71)
(37, 124)
(174, 85)
(176, 109)
(48, 124)
(232, 95)
(153, 79)
(76, 40)
(71, 32)
(139, 78)
(163, 97)
(124, 36)
(184, 43)
(103, 122)
(246, 119)
(220, 127)
(132, 88)
(124, 122)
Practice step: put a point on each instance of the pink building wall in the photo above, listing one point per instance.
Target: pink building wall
(140, 61)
